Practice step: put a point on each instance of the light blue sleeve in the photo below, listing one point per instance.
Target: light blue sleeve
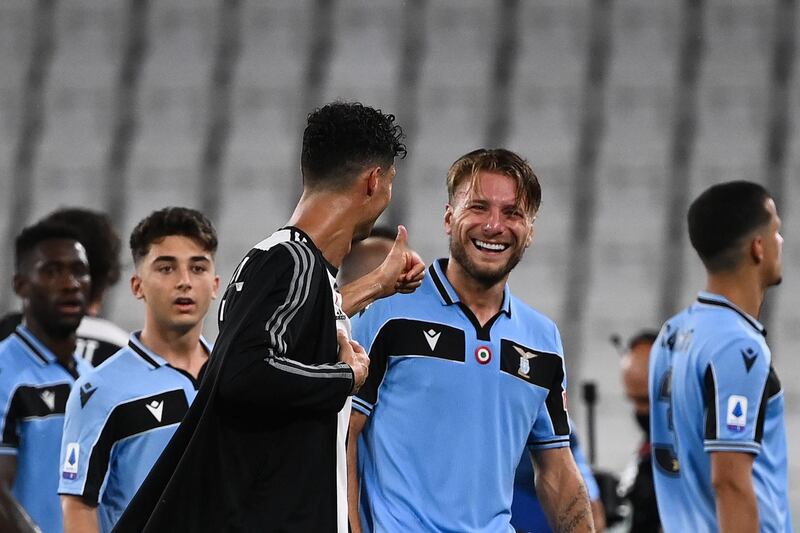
(366, 326)
(84, 422)
(735, 381)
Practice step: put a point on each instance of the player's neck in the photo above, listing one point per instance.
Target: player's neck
(180, 348)
(484, 302)
(745, 293)
(327, 218)
(62, 347)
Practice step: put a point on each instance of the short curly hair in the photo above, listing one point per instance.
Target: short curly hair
(181, 221)
(342, 138)
(30, 237)
(101, 241)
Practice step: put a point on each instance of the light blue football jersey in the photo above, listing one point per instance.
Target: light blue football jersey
(452, 406)
(713, 389)
(119, 418)
(33, 393)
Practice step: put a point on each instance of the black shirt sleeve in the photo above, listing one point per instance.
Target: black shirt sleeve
(271, 328)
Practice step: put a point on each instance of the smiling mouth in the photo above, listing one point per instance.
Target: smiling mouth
(493, 247)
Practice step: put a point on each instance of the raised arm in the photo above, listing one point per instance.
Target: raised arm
(561, 491)
(402, 271)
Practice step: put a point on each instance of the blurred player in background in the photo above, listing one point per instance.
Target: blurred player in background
(121, 415)
(716, 415)
(463, 376)
(38, 365)
(98, 338)
(636, 482)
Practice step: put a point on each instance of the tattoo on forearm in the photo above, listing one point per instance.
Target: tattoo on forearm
(576, 513)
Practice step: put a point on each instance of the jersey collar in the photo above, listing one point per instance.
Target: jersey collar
(709, 298)
(296, 234)
(149, 356)
(33, 347)
(448, 295)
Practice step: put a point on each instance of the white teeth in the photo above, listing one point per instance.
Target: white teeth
(493, 246)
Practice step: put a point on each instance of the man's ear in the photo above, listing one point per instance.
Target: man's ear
(215, 291)
(757, 249)
(448, 218)
(529, 239)
(21, 285)
(371, 178)
(136, 286)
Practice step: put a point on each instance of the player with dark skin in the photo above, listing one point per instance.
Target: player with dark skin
(52, 280)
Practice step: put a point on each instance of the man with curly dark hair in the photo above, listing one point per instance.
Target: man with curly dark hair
(263, 446)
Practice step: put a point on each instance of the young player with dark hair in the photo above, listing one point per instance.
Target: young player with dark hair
(716, 404)
(121, 415)
(262, 447)
(464, 377)
(38, 366)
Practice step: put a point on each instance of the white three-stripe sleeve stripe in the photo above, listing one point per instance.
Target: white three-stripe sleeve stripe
(340, 370)
(298, 293)
(304, 253)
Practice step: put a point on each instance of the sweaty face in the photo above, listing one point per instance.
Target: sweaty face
(488, 228)
(54, 286)
(773, 247)
(177, 281)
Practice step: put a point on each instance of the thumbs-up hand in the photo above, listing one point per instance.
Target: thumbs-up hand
(403, 269)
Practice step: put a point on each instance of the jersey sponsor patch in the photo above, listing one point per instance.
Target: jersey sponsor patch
(483, 354)
(737, 413)
(70, 469)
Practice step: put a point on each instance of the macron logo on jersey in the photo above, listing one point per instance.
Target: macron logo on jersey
(432, 336)
(49, 398)
(70, 470)
(737, 413)
(156, 409)
(749, 356)
(86, 392)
